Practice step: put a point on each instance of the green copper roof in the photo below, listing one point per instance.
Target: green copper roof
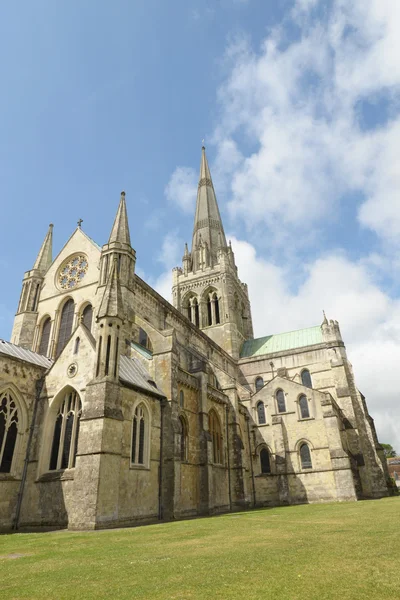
(282, 341)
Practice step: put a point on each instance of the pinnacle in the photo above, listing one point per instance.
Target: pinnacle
(120, 229)
(111, 304)
(45, 256)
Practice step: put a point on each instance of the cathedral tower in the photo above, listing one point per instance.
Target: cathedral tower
(207, 288)
(26, 317)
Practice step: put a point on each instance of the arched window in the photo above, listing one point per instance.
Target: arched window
(66, 433)
(216, 437)
(306, 378)
(183, 440)
(209, 311)
(195, 312)
(280, 400)
(265, 461)
(261, 413)
(8, 431)
(304, 411)
(181, 399)
(144, 340)
(216, 307)
(65, 329)
(45, 337)
(259, 383)
(140, 433)
(87, 316)
(305, 456)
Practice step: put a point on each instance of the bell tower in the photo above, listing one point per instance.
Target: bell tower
(207, 289)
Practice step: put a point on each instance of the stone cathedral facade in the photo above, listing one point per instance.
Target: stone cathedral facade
(119, 408)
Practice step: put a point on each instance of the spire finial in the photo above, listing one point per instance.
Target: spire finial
(325, 321)
(80, 221)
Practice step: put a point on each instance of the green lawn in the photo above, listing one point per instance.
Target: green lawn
(308, 552)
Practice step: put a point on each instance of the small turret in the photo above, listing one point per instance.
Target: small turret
(331, 330)
(119, 247)
(186, 260)
(25, 319)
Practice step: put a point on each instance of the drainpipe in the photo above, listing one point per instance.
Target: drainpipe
(229, 462)
(39, 386)
(160, 468)
(251, 463)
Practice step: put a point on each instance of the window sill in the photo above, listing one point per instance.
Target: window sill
(307, 419)
(139, 467)
(264, 475)
(263, 425)
(61, 475)
(9, 477)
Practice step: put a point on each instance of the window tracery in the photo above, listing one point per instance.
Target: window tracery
(72, 272)
(140, 433)
(8, 431)
(66, 433)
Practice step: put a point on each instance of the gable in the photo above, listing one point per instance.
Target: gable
(78, 244)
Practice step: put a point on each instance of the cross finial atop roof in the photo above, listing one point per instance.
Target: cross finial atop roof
(80, 221)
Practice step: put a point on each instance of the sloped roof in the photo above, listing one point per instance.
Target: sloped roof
(133, 372)
(26, 355)
(282, 341)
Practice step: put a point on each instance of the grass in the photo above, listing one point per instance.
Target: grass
(308, 552)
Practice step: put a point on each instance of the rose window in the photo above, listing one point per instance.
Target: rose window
(72, 272)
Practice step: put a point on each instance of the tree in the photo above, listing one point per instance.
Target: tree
(389, 451)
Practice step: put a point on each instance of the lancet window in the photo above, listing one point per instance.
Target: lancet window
(216, 437)
(265, 461)
(280, 400)
(304, 410)
(305, 456)
(183, 439)
(66, 433)
(306, 378)
(45, 337)
(87, 316)
(65, 329)
(261, 413)
(140, 433)
(259, 383)
(8, 431)
(213, 311)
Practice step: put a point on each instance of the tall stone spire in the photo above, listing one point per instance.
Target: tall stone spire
(208, 226)
(45, 256)
(112, 304)
(120, 229)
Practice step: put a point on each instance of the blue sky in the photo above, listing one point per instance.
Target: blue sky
(298, 101)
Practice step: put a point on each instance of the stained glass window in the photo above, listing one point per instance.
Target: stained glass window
(305, 457)
(45, 337)
(259, 383)
(87, 316)
(66, 432)
(261, 413)
(280, 399)
(66, 321)
(72, 272)
(140, 432)
(306, 378)
(8, 431)
(304, 411)
(265, 461)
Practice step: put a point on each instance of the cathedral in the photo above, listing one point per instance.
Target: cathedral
(118, 408)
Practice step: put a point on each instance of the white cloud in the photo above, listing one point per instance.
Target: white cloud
(182, 188)
(298, 103)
